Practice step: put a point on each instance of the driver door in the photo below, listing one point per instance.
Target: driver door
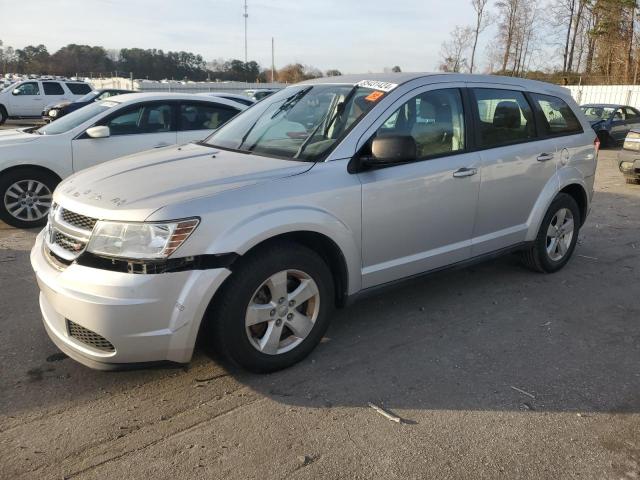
(420, 216)
(135, 128)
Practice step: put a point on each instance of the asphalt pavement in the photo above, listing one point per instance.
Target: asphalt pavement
(496, 372)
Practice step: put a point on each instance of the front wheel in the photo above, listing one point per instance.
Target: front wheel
(274, 309)
(26, 196)
(3, 115)
(556, 238)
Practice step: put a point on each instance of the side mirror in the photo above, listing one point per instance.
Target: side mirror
(392, 149)
(16, 91)
(98, 132)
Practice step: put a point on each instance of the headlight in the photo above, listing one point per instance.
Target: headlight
(139, 240)
(53, 113)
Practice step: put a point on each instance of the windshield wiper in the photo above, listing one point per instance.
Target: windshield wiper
(290, 102)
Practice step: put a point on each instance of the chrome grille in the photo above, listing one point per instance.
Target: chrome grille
(77, 220)
(89, 337)
(68, 243)
(67, 234)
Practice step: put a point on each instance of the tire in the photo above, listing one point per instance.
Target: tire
(37, 187)
(632, 181)
(227, 324)
(3, 115)
(538, 257)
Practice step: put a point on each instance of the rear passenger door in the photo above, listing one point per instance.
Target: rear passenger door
(516, 164)
(419, 216)
(197, 120)
(132, 129)
(54, 93)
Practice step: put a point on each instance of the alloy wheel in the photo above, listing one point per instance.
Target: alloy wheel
(560, 234)
(282, 312)
(28, 200)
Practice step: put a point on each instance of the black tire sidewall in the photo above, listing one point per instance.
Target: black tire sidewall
(8, 179)
(561, 201)
(229, 329)
(3, 115)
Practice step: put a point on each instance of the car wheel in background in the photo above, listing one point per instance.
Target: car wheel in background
(633, 181)
(556, 238)
(3, 115)
(605, 139)
(274, 309)
(25, 197)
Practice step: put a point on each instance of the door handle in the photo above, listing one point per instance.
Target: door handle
(544, 157)
(465, 172)
(160, 145)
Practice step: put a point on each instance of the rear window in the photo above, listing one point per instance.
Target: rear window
(558, 118)
(79, 88)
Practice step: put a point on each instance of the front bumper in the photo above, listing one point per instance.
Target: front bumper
(629, 163)
(146, 318)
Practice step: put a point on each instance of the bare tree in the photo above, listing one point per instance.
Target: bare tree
(453, 51)
(508, 11)
(479, 7)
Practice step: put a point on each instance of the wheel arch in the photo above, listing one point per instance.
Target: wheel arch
(579, 194)
(27, 166)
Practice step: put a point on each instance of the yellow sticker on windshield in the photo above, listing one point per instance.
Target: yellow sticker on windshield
(374, 96)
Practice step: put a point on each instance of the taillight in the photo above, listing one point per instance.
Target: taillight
(596, 145)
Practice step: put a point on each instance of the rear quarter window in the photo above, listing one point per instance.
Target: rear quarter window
(78, 88)
(557, 116)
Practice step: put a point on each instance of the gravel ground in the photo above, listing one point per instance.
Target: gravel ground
(497, 372)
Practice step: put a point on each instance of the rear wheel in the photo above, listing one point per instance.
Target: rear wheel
(556, 238)
(274, 309)
(605, 139)
(26, 196)
(633, 181)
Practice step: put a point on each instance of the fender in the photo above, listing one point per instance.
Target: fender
(563, 177)
(251, 231)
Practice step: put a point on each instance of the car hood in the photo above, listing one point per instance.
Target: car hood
(133, 187)
(16, 137)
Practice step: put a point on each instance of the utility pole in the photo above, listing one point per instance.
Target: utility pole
(273, 62)
(246, 15)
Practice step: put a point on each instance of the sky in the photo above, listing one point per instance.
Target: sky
(352, 36)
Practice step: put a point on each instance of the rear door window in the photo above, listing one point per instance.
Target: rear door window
(557, 116)
(505, 117)
(203, 116)
(52, 88)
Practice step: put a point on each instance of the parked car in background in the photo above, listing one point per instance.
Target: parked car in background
(33, 161)
(629, 157)
(236, 97)
(319, 193)
(611, 122)
(28, 98)
(258, 94)
(59, 109)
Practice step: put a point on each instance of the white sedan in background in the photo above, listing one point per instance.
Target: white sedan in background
(33, 161)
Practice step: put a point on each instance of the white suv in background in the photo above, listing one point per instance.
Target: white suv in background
(29, 97)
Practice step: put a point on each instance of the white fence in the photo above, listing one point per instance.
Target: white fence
(174, 86)
(620, 94)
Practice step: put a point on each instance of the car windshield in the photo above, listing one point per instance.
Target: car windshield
(301, 122)
(88, 97)
(78, 117)
(598, 113)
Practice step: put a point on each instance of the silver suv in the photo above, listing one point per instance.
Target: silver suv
(317, 194)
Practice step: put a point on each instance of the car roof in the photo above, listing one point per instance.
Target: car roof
(126, 98)
(604, 105)
(404, 77)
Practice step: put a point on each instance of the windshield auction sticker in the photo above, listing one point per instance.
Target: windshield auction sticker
(377, 85)
(374, 96)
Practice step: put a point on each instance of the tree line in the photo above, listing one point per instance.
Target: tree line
(565, 41)
(153, 64)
